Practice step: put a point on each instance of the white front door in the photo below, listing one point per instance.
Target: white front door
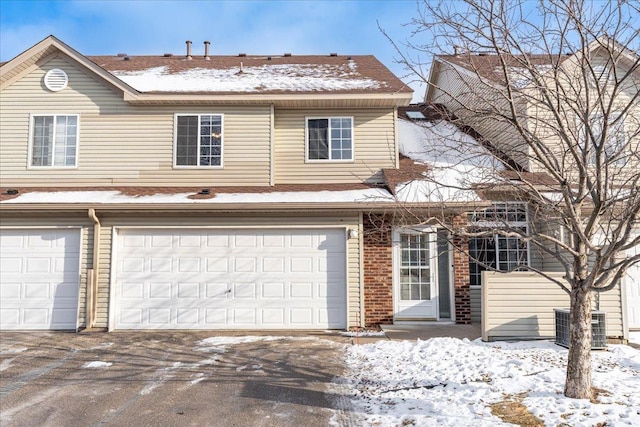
(632, 285)
(416, 296)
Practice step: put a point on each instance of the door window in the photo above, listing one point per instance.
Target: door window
(415, 274)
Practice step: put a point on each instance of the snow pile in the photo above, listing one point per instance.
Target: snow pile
(456, 159)
(279, 77)
(451, 382)
(96, 364)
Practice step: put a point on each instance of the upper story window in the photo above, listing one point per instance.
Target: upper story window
(330, 138)
(497, 252)
(614, 150)
(198, 140)
(54, 140)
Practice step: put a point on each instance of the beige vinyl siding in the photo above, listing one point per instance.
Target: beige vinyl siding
(237, 221)
(120, 144)
(467, 97)
(7, 76)
(476, 304)
(521, 304)
(373, 140)
(542, 122)
(86, 242)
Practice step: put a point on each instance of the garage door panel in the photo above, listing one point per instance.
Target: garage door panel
(39, 280)
(215, 317)
(273, 290)
(243, 279)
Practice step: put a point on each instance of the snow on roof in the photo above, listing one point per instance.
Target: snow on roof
(113, 197)
(457, 162)
(274, 77)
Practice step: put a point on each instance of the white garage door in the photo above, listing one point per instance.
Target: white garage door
(39, 278)
(230, 279)
(633, 292)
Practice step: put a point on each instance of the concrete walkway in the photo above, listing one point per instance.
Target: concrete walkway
(424, 331)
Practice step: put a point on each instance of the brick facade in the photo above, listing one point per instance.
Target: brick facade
(461, 280)
(378, 271)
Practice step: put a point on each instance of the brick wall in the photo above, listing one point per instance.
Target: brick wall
(378, 271)
(461, 281)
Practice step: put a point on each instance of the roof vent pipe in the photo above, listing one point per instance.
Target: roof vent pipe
(206, 50)
(189, 49)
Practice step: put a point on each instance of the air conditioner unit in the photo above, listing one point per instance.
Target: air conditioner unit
(598, 329)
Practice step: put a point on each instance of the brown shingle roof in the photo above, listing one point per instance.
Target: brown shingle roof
(344, 67)
(489, 66)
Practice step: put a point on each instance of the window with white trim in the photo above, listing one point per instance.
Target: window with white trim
(615, 140)
(497, 252)
(198, 140)
(54, 140)
(330, 138)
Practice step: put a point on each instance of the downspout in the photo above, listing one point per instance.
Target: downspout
(396, 141)
(92, 274)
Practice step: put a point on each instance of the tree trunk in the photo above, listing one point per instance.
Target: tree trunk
(578, 383)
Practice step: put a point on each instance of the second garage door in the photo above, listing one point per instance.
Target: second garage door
(230, 279)
(39, 278)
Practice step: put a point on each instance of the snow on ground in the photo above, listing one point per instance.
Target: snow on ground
(451, 382)
(634, 337)
(362, 334)
(220, 343)
(96, 364)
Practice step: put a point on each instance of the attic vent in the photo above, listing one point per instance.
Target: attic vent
(56, 79)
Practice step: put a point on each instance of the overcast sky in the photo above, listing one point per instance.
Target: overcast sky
(139, 27)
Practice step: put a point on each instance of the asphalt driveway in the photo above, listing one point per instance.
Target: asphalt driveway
(170, 379)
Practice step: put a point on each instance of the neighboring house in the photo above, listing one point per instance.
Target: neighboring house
(468, 85)
(229, 192)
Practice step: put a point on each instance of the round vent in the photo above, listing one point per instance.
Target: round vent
(56, 80)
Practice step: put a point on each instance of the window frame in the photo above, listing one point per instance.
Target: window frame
(32, 117)
(329, 159)
(611, 141)
(495, 239)
(175, 141)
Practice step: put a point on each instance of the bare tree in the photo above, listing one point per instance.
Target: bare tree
(554, 88)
